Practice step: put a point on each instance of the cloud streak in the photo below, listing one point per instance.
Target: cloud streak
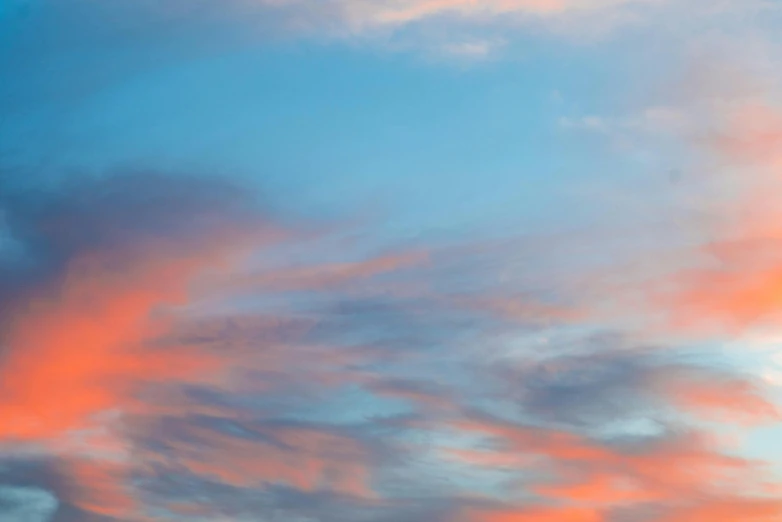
(173, 350)
(377, 14)
(193, 371)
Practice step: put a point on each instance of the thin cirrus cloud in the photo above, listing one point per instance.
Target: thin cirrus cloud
(107, 272)
(683, 477)
(324, 407)
(744, 287)
(731, 281)
(99, 259)
(172, 350)
(401, 12)
(719, 271)
(464, 29)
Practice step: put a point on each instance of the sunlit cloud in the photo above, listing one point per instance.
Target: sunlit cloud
(181, 347)
(362, 15)
(185, 353)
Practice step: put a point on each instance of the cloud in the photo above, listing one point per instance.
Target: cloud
(618, 384)
(166, 354)
(56, 490)
(711, 195)
(103, 257)
(108, 253)
(307, 458)
(193, 370)
(324, 276)
(731, 282)
(362, 15)
(455, 28)
(682, 476)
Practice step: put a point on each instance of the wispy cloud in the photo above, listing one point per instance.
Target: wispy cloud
(342, 404)
(173, 350)
(372, 14)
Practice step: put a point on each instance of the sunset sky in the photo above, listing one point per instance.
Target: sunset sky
(390, 261)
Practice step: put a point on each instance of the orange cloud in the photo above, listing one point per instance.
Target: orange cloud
(596, 488)
(733, 400)
(710, 510)
(79, 351)
(586, 479)
(566, 514)
(733, 280)
(98, 487)
(729, 510)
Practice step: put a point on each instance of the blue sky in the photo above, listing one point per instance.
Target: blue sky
(420, 132)
(390, 261)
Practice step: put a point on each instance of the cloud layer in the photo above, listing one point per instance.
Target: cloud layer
(167, 358)
(172, 349)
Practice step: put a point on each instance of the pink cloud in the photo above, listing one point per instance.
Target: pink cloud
(686, 477)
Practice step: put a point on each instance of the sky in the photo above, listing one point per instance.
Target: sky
(390, 261)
